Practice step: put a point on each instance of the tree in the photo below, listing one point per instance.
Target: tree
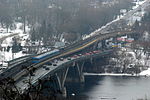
(6, 17)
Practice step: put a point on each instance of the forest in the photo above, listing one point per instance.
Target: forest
(49, 20)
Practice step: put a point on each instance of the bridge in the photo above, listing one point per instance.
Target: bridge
(60, 71)
(30, 75)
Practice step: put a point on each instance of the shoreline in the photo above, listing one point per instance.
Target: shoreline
(114, 74)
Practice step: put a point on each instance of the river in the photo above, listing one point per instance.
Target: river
(111, 88)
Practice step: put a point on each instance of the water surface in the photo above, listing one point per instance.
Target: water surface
(111, 88)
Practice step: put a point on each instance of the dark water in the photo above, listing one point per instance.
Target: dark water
(111, 88)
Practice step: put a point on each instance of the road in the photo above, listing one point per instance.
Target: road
(47, 70)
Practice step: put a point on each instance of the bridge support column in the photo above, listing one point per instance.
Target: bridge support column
(91, 60)
(95, 46)
(80, 71)
(61, 78)
(103, 44)
(74, 64)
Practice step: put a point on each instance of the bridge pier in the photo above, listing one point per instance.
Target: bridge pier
(95, 46)
(91, 60)
(103, 44)
(80, 72)
(61, 78)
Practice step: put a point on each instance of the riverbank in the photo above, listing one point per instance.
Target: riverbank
(143, 73)
(107, 74)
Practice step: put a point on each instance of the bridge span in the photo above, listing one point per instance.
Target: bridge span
(30, 75)
(80, 46)
(60, 70)
(75, 54)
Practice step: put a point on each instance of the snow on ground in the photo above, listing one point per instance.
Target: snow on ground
(6, 56)
(18, 30)
(103, 29)
(109, 74)
(137, 4)
(7, 42)
(145, 72)
(3, 35)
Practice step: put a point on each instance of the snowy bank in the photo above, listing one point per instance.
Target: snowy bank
(8, 41)
(109, 74)
(145, 72)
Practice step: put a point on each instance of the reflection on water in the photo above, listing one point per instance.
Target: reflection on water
(111, 88)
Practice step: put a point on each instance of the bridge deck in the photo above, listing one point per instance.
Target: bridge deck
(41, 73)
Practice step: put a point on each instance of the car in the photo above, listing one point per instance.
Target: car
(90, 52)
(24, 51)
(32, 74)
(3, 68)
(55, 61)
(69, 58)
(75, 56)
(87, 54)
(49, 63)
(96, 51)
(25, 81)
(54, 64)
(61, 59)
(46, 68)
(79, 54)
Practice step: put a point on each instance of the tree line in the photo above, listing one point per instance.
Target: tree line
(49, 19)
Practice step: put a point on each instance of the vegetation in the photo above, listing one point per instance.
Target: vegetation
(49, 19)
(127, 62)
